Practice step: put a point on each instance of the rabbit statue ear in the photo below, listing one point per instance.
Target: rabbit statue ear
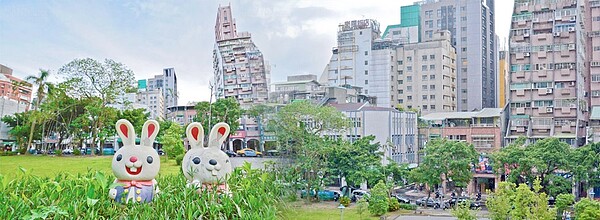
(195, 135)
(149, 132)
(126, 132)
(218, 134)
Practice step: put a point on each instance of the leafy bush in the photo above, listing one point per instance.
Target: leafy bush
(462, 211)
(393, 204)
(57, 152)
(587, 209)
(378, 203)
(345, 201)
(563, 201)
(361, 206)
(254, 195)
(178, 159)
(76, 152)
(7, 153)
(408, 206)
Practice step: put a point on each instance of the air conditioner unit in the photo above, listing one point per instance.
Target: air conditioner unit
(571, 83)
(573, 18)
(571, 29)
(548, 91)
(549, 109)
(525, 34)
(526, 54)
(557, 34)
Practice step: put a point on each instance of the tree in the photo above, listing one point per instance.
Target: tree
(357, 162)
(584, 164)
(563, 201)
(378, 202)
(446, 159)
(137, 117)
(463, 211)
(509, 202)
(223, 110)
(541, 160)
(298, 128)
(41, 83)
(102, 80)
(172, 141)
(587, 209)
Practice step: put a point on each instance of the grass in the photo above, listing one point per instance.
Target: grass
(50, 166)
(328, 210)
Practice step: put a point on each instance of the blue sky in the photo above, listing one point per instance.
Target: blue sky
(295, 36)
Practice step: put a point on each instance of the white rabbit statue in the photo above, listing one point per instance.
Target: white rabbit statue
(207, 167)
(135, 166)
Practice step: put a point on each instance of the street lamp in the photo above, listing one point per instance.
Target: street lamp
(341, 207)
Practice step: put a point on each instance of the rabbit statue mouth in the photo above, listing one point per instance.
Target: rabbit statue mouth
(133, 170)
(213, 171)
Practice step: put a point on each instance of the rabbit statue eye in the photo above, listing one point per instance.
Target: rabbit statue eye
(196, 160)
(149, 159)
(119, 157)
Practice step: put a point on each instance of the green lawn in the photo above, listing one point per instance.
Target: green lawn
(49, 166)
(328, 210)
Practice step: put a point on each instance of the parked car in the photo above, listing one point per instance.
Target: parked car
(230, 153)
(402, 199)
(67, 151)
(456, 200)
(247, 152)
(359, 194)
(426, 202)
(324, 195)
(159, 151)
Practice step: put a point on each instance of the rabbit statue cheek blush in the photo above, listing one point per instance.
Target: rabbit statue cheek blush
(135, 166)
(207, 167)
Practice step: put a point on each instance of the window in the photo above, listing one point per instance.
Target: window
(409, 58)
(463, 18)
(424, 87)
(432, 87)
(463, 29)
(424, 97)
(431, 67)
(360, 33)
(464, 49)
(432, 77)
(366, 72)
(400, 81)
(595, 77)
(463, 39)
(424, 78)
(366, 82)
(400, 91)
(424, 106)
(432, 97)
(409, 88)
(424, 67)
(400, 72)
(424, 57)
(400, 62)
(366, 53)
(409, 68)
(366, 62)
(432, 107)
(401, 100)
(464, 91)
(595, 93)
(409, 79)
(409, 97)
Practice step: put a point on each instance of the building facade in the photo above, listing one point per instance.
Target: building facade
(426, 76)
(396, 131)
(167, 84)
(154, 102)
(297, 87)
(502, 78)
(472, 27)
(484, 129)
(349, 65)
(548, 96)
(592, 25)
(15, 97)
(240, 70)
(182, 114)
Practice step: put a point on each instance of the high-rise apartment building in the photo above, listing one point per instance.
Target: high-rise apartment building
(548, 96)
(502, 78)
(472, 25)
(427, 74)
(409, 29)
(592, 25)
(349, 63)
(167, 83)
(240, 70)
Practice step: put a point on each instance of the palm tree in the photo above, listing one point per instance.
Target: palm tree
(40, 82)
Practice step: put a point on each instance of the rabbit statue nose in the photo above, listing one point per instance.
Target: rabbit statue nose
(212, 162)
(133, 159)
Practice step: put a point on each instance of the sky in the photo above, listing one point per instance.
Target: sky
(295, 36)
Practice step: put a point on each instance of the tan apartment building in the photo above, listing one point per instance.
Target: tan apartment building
(427, 74)
(548, 71)
(484, 129)
(592, 24)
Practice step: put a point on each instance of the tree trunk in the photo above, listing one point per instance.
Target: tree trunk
(30, 135)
